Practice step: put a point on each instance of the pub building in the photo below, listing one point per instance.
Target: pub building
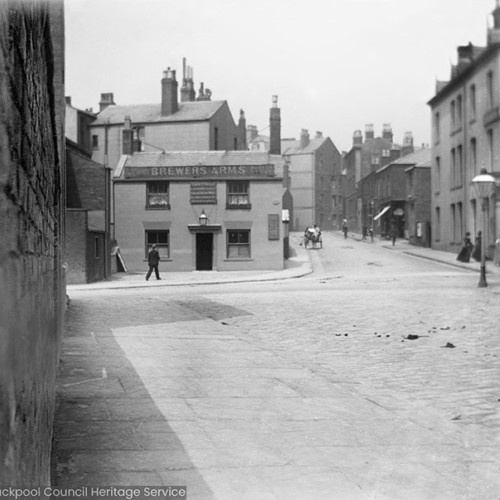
(205, 210)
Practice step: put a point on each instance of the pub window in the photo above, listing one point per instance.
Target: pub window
(238, 244)
(238, 194)
(157, 195)
(161, 239)
(95, 142)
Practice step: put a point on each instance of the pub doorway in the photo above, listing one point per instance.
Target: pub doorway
(204, 251)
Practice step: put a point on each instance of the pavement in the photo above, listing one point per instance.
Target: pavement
(297, 266)
(244, 399)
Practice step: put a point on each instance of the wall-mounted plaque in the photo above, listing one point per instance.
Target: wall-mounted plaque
(273, 226)
(203, 193)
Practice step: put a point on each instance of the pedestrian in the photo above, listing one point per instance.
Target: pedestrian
(393, 233)
(370, 230)
(476, 253)
(466, 250)
(344, 227)
(364, 233)
(153, 261)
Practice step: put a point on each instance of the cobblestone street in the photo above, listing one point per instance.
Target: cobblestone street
(375, 377)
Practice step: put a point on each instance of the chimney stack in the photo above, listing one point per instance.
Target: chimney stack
(357, 138)
(127, 137)
(275, 128)
(494, 33)
(204, 94)
(304, 138)
(169, 104)
(369, 133)
(187, 89)
(106, 100)
(242, 129)
(407, 144)
(319, 135)
(68, 99)
(252, 133)
(387, 132)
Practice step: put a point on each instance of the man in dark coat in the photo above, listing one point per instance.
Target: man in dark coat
(153, 261)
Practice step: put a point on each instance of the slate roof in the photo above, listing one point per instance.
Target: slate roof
(293, 147)
(150, 113)
(197, 158)
(421, 158)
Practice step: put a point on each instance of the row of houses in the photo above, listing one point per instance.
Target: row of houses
(427, 194)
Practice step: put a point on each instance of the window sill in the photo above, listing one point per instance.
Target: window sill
(239, 207)
(164, 207)
(239, 259)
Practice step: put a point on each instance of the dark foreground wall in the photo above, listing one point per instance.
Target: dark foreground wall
(32, 289)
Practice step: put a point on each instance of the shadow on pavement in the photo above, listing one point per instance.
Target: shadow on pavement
(108, 431)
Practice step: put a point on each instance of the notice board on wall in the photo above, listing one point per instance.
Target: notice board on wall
(273, 227)
(203, 193)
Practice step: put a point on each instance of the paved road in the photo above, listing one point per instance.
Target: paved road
(338, 385)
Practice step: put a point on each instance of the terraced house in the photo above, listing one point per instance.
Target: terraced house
(466, 138)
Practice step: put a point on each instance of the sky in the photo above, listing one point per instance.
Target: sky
(335, 65)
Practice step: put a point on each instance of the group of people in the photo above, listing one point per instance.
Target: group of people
(469, 250)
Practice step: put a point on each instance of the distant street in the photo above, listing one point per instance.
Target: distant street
(375, 377)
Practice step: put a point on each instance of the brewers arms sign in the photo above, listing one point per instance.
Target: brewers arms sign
(205, 172)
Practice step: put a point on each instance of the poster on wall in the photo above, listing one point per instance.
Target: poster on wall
(273, 226)
(203, 193)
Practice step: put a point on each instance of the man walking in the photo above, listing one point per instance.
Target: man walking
(153, 261)
(344, 228)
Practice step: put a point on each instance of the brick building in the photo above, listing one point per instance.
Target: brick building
(313, 163)
(465, 138)
(367, 156)
(160, 197)
(392, 183)
(33, 292)
(88, 210)
(418, 205)
(191, 124)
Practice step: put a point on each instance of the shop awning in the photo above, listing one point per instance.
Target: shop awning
(382, 212)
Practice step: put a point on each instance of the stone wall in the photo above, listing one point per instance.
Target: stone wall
(32, 291)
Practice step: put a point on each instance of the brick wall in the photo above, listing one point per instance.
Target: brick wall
(32, 221)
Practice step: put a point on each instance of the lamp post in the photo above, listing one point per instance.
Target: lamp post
(203, 218)
(483, 184)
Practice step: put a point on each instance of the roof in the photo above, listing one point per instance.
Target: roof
(293, 147)
(148, 113)
(420, 158)
(480, 55)
(197, 158)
